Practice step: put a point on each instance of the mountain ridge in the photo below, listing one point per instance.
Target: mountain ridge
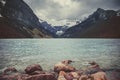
(98, 17)
(19, 13)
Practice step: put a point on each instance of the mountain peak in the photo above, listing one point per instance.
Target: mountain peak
(99, 18)
(100, 10)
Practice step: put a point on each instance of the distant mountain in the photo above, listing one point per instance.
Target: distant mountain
(18, 19)
(50, 29)
(59, 30)
(56, 31)
(101, 24)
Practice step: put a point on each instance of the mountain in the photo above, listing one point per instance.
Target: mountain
(101, 24)
(59, 30)
(50, 29)
(18, 20)
(56, 31)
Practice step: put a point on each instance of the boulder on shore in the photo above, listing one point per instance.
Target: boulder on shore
(28, 77)
(64, 66)
(10, 70)
(41, 77)
(99, 76)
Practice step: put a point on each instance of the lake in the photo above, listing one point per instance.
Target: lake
(46, 52)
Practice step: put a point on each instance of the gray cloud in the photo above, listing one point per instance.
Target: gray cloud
(116, 2)
(56, 10)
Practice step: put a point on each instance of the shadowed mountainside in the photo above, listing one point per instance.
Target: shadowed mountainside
(106, 29)
(19, 21)
(11, 29)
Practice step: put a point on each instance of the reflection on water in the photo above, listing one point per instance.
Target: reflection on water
(47, 52)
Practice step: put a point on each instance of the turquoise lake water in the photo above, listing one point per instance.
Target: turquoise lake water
(46, 52)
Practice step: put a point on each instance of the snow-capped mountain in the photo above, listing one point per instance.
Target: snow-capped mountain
(99, 17)
(58, 30)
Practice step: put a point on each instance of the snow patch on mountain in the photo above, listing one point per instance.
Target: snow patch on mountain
(59, 33)
(3, 2)
(41, 21)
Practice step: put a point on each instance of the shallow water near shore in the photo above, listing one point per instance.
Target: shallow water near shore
(46, 52)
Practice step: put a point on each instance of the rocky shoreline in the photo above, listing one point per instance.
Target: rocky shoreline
(62, 71)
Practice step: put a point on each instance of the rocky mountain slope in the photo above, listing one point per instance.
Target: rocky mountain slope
(18, 20)
(101, 24)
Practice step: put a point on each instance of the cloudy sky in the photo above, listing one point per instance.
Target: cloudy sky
(58, 12)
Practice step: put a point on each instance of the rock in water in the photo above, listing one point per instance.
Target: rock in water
(32, 68)
(10, 70)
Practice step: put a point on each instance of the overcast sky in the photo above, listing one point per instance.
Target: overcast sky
(57, 12)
